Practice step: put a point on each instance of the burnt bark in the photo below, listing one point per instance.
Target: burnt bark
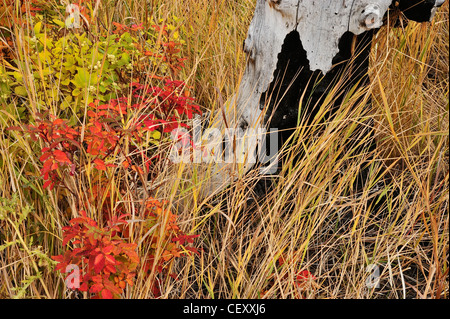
(294, 79)
(301, 48)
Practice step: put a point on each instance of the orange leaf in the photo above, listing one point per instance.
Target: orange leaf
(137, 169)
(166, 255)
(100, 164)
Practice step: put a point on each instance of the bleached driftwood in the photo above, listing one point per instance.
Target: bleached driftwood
(324, 31)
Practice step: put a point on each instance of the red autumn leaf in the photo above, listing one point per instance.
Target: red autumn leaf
(185, 238)
(282, 259)
(106, 250)
(58, 122)
(155, 290)
(47, 165)
(99, 263)
(78, 220)
(47, 184)
(58, 258)
(67, 238)
(92, 240)
(96, 287)
(304, 275)
(174, 276)
(100, 164)
(193, 250)
(14, 128)
(45, 156)
(61, 157)
(110, 269)
(110, 285)
(97, 279)
(83, 287)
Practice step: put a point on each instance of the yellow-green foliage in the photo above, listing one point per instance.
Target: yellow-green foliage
(63, 70)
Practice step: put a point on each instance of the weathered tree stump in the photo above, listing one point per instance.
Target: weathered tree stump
(293, 43)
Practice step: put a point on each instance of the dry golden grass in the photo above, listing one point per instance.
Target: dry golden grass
(314, 216)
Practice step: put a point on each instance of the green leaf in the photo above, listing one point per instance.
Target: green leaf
(84, 78)
(45, 56)
(37, 27)
(48, 42)
(66, 81)
(4, 88)
(21, 91)
(81, 78)
(59, 23)
(124, 59)
(7, 244)
(21, 291)
(64, 105)
(156, 135)
(17, 75)
(102, 88)
(127, 38)
(70, 65)
(76, 92)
